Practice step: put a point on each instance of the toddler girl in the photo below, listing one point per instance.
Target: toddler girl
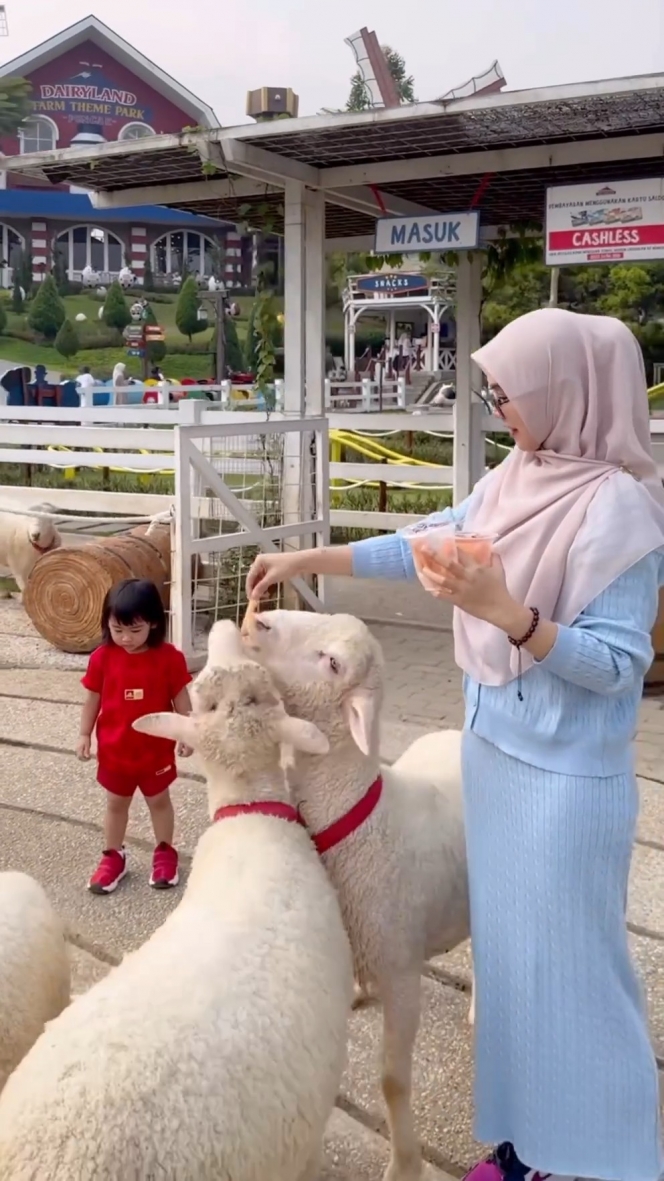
(134, 672)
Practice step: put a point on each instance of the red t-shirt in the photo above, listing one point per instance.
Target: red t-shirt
(131, 685)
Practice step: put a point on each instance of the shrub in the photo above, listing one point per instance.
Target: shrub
(47, 311)
(234, 354)
(67, 342)
(17, 298)
(59, 272)
(186, 312)
(116, 312)
(157, 350)
(148, 277)
(3, 318)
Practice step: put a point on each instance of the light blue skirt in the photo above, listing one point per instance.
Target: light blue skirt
(564, 1065)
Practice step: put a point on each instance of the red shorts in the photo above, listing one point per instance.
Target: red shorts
(150, 783)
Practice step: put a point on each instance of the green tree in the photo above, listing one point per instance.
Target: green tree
(67, 342)
(23, 270)
(156, 351)
(47, 311)
(3, 318)
(186, 311)
(17, 298)
(148, 276)
(234, 354)
(630, 295)
(116, 313)
(15, 104)
(59, 272)
(359, 98)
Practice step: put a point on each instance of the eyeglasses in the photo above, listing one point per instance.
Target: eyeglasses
(496, 399)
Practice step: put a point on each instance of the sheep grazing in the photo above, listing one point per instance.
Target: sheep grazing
(216, 1049)
(398, 859)
(35, 976)
(23, 539)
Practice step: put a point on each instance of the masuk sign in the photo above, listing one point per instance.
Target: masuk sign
(435, 231)
(619, 222)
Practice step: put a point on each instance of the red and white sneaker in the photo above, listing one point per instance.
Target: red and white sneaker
(109, 873)
(164, 867)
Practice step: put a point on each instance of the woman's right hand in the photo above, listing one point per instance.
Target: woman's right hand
(83, 747)
(269, 569)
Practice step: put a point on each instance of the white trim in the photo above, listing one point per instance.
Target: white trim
(68, 233)
(94, 29)
(37, 117)
(39, 244)
(599, 151)
(39, 227)
(172, 194)
(139, 232)
(138, 247)
(124, 138)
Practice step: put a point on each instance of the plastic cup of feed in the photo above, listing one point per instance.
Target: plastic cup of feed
(430, 542)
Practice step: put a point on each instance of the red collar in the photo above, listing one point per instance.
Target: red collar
(263, 808)
(337, 832)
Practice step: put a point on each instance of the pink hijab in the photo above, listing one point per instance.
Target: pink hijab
(573, 516)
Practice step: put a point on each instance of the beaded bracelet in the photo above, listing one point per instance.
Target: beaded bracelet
(518, 644)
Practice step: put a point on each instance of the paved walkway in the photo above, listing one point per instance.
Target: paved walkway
(49, 826)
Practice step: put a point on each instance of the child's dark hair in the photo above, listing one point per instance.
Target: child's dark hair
(132, 600)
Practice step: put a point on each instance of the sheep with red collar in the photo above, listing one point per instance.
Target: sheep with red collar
(216, 1049)
(35, 976)
(24, 537)
(392, 838)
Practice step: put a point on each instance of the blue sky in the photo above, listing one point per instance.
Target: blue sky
(300, 43)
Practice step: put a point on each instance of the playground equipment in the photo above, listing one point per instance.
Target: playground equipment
(64, 599)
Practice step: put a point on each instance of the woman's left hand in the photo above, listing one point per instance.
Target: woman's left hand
(479, 590)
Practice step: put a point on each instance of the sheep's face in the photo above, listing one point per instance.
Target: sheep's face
(329, 669)
(238, 720)
(43, 534)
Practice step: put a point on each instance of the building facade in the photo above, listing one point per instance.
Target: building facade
(91, 86)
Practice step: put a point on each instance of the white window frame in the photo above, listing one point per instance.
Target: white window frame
(7, 272)
(169, 256)
(137, 123)
(69, 235)
(38, 118)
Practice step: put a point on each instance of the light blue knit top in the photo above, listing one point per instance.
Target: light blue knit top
(580, 704)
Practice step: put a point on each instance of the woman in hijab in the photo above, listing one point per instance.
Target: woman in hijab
(554, 641)
(120, 383)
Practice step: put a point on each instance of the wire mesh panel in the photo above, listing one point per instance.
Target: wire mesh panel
(239, 490)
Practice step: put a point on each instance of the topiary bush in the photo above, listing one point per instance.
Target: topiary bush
(67, 342)
(47, 311)
(186, 312)
(116, 313)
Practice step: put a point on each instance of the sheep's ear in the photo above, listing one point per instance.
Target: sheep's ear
(301, 735)
(360, 715)
(224, 643)
(173, 726)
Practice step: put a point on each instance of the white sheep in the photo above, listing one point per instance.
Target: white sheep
(215, 1050)
(24, 537)
(401, 876)
(35, 975)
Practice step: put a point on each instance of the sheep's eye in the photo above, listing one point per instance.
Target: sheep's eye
(262, 627)
(213, 707)
(334, 664)
(250, 700)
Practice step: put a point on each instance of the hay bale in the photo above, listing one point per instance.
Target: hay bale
(66, 590)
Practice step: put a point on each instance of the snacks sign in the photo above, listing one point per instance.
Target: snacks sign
(620, 222)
